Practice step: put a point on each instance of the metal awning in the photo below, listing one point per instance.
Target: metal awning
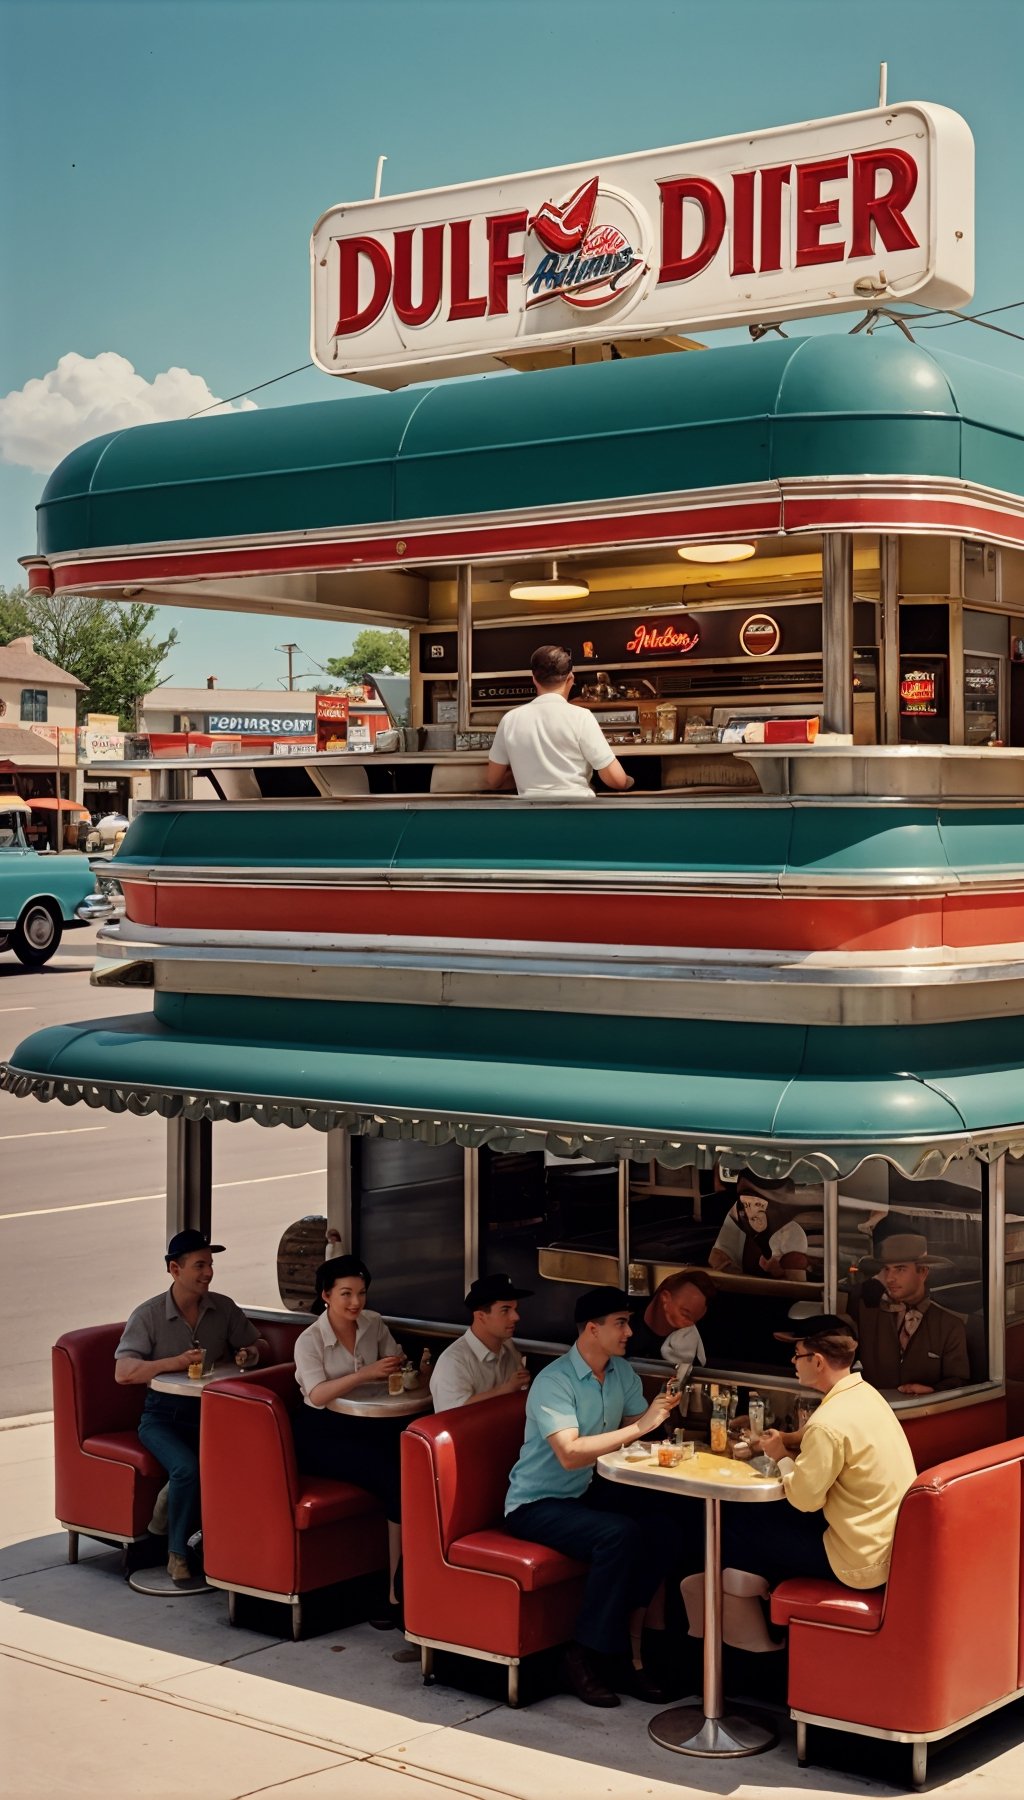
(745, 439)
(779, 1098)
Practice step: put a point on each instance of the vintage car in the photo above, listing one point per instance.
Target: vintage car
(40, 895)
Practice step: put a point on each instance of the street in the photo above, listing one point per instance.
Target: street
(82, 1193)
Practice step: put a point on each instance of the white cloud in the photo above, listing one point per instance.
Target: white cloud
(85, 396)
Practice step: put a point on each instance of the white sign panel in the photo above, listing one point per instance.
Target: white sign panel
(815, 218)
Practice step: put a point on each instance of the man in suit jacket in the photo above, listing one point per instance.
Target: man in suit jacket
(907, 1341)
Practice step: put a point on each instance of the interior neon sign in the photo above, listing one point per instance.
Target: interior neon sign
(661, 640)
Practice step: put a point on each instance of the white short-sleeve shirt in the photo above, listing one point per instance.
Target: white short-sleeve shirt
(468, 1368)
(320, 1357)
(552, 748)
(789, 1238)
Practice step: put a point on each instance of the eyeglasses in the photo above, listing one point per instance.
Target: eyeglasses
(803, 1356)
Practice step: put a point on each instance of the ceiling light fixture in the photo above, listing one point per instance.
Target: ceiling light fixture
(551, 587)
(715, 553)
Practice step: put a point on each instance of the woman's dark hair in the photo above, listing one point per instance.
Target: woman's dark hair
(550, 664)
(337, 1268)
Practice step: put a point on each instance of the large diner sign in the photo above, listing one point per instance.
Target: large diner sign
(822, 217)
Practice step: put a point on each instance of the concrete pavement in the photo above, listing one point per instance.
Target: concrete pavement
(106, 1694)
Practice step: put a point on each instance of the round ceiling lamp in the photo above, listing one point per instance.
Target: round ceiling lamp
(551, 587)
(715, 553)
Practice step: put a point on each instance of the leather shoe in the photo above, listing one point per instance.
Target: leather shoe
(583, 1678)
(625, 1678)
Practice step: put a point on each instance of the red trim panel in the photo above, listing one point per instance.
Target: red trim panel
(791, 513)
(722, 923)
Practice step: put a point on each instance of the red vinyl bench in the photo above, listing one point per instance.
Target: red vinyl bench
(470, 1586)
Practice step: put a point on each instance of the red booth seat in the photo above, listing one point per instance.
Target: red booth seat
(301, 1531)
(940, 1644)
(469, 1585)
(105, 1483)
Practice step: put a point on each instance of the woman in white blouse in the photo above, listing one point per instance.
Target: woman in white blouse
(346, 1348)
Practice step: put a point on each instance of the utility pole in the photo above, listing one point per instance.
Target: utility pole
(289, 650)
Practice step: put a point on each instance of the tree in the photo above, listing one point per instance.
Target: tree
(106, 646)
(372, 653)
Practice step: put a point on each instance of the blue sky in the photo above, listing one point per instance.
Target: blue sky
(169, 158)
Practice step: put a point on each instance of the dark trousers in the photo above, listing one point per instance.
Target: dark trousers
(775, 1541)
(366, 1452)
(632, 1538)
(169, 1428)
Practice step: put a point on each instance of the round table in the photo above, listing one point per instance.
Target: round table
(179, 1382)
(709, 1730)
(372, 1401)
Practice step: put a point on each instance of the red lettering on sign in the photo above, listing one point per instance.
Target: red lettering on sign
(464, 304)
(743, 222)
(351, 251)
(772, 183)
(674, 265)
(501, 266)
(647, 638)
(813, 213)
(432, 245)
(882, 213)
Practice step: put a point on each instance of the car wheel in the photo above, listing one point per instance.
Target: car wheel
(37, 934)
(5, 941)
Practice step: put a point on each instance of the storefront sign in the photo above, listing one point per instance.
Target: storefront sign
(918, 693)
(664, 637)
(269, 724)
(100, 744)
(294, 747)
(331, 722)
(820, 217)
(760, 635)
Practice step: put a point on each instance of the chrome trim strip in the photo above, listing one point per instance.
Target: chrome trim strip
(492, 1656)
(885, 1732)
(235, 1587)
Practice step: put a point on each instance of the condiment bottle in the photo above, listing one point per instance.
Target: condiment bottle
(755, 1411)
(719, 1425)
(425, 1363)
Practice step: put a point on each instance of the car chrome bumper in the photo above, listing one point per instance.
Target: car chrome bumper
(94, 910)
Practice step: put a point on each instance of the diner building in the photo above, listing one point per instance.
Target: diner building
(37, 740)
(791, 947)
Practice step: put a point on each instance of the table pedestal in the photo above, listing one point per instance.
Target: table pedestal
(712, 1732)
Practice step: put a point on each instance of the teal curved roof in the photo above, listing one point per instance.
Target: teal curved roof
(817, 406)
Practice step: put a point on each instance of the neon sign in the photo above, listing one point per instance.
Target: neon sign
(671, 639)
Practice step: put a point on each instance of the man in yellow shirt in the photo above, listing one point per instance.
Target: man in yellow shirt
(844, 1487)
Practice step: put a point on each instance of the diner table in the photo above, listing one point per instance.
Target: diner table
(372, 1401)
(710, 1729)
(179, 1381)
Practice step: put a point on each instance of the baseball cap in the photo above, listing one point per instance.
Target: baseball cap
(598, 1302)
(819, 1325)
(487, 1290)
(184, 1242)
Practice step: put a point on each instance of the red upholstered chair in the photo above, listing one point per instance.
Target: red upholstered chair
(936, 1437)
(469, 1585)
(106, 1484)
(940, 1644)
(268, 1530)
(279, 1336)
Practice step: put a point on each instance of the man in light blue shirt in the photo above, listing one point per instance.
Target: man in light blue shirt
(585, 1404)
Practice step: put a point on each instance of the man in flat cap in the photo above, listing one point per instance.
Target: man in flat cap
(163, 1335)
(580, 1407)
(907, 1341)
(844, 1485)
(483, 1362)
(760, 1235)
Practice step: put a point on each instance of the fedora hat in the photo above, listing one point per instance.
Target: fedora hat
(903, 1247)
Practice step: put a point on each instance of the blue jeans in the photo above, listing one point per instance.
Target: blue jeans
(630, 1537)
(169, 1428)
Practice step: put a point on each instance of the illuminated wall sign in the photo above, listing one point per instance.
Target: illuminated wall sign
(777, 224)
(760, 635)
(664, 637)
(918, 694)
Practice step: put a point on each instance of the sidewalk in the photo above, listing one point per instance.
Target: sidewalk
(106, 1693)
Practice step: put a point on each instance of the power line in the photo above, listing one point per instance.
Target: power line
(244, 395)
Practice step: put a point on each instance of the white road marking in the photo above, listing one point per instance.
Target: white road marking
(17, 1009)
(133, 1199)
(11, 1137)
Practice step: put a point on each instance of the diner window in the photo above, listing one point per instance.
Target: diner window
(912, 1273)
(552, 1224)
(34, 706)
(408, 1225)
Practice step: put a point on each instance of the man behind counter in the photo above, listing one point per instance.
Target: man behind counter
(550, 746)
